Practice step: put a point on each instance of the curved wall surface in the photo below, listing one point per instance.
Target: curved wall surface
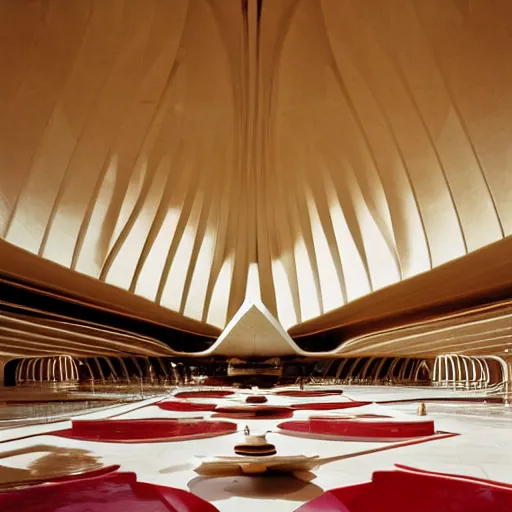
(311, 152)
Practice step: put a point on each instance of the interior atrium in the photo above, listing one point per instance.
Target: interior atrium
(255, 254)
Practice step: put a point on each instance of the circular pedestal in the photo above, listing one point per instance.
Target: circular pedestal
(262, 450)
(256, 399)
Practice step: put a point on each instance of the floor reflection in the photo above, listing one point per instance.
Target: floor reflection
(268, 486)
(30, 404)
(12, 415)
(54, 462)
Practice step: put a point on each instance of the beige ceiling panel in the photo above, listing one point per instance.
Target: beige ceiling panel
(471, 48)
(333, 147)
(25, 126)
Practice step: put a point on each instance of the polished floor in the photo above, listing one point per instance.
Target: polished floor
(482, 448)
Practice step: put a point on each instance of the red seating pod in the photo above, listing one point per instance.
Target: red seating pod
(145, 430)
(360, 428)
(410, 469)
(418, 491)
(113, 492)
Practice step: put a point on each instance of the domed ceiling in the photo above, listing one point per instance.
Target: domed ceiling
(307, 152)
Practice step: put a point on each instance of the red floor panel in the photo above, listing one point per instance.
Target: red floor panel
(360, 428)
(416, 491)
(114, 492)
(145, 430)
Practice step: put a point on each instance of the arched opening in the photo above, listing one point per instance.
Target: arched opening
(10, 370)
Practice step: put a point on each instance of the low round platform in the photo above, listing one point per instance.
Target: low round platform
(369, 429)
(145, 430)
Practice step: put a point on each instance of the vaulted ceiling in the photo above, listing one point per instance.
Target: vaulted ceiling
(303, 152)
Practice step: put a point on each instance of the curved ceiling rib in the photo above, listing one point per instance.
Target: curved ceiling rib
(334, 147)
(28, 336)
(28, 272)
(480, 278)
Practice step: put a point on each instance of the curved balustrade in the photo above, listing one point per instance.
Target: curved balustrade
(47, 369)
(380, 371)
(101, 370)
(467, 372)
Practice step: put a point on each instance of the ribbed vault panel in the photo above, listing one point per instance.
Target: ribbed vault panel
(485, 331)
(24, 336)
(337, 146)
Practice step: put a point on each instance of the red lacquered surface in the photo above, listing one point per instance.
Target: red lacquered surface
(203, 394)
(349, 417)
(311, 393)
(115, 492)
(451, 475)
(254, 412)
(327, 406)
(360, 428)
(145, 430)
(256, 399)
(416, 491)
(174, 405)
(265, 415)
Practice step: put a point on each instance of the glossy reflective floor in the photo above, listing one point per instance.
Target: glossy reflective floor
(32, 404)
(482, 448)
